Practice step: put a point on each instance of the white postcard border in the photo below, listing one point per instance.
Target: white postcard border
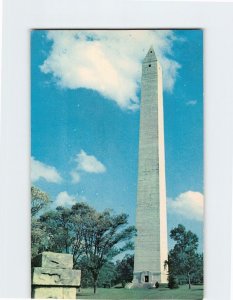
(21, 16)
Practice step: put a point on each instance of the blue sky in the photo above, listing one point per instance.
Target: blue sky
(85, 99)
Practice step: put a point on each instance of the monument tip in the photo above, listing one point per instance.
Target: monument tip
(150, 55)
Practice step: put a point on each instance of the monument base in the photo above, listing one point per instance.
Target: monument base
(147, 279)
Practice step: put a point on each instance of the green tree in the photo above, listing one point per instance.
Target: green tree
(39, 200)
(197, 276)
(65, 228)
(81, 214)
(93, 238)
(183, 258)
(58, 225)
(86, 278)
(38, 237)
(103, 235)
(172, 281)
(124, 269)
(107, 276)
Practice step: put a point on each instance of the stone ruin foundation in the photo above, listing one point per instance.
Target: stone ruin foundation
(53, 276)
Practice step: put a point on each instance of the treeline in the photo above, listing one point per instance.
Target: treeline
(185, 264)
(93, 238)
(96, 238)
(111, 274)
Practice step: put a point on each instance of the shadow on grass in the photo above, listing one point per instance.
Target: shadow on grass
(85, 294)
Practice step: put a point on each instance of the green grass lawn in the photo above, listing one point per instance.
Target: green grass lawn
(162, 293)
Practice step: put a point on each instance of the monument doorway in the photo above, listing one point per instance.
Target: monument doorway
(146, 278)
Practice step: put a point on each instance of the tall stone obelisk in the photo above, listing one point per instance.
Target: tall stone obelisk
(151, 218)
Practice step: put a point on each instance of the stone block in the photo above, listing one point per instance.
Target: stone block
(53, 260)
(40, 292)
(56, 277)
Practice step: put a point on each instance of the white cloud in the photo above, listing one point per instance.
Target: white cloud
(108, 61)
(189, 205)
(191, 102)
(64, 199)
(89, 163)
(75, 177)
(40, 170)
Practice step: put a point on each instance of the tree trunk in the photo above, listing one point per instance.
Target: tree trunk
(95, 285)
(189, 281)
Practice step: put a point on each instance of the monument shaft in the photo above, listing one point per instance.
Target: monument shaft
(151, 218)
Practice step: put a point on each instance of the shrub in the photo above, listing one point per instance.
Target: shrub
(172, 282)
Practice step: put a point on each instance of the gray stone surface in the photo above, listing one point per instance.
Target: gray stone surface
(151, 217)
(40, 292)
(53, 276)
(53, 260)
(59, 277)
